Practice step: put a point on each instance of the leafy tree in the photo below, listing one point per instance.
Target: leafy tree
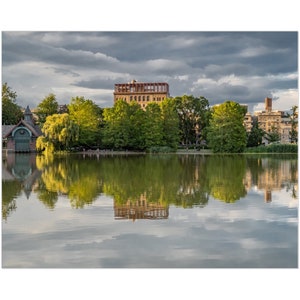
(87, 115)
(116, 128)
(11, 112)
(153, 126)
(254, 137)
(47, 107)
(294, 122)
(193, 118)
(170, 123)
(226, 132)
(273, 135)
(60, 133)
(136, 127)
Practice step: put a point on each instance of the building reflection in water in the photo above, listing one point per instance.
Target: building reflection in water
(273, 175)
(21, 167)
(195, 181)
(141, 209)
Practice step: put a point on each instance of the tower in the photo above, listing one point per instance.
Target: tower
(268, 104)
(28, 117)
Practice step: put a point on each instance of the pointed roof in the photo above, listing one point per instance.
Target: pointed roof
(36, 131)
(7, 129)
(27, 111)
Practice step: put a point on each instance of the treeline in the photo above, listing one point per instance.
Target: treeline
(183, 121)
(125, 126)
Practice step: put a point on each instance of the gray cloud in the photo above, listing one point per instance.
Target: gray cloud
(242, 66)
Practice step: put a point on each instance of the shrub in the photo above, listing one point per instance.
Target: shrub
(161, 149)
(274, 148)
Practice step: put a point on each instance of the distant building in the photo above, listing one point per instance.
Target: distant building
(269, 120)
(22, 136)
(141, 92)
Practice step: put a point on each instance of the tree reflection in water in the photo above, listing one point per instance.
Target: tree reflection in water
(144, 186)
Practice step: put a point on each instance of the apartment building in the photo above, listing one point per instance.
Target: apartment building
(270, 120)
(141, 92)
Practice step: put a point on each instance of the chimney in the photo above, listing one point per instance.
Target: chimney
(268, 104)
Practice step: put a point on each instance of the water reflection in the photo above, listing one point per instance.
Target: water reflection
(144, 186)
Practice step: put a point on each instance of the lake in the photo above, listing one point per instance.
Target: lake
(149, 211)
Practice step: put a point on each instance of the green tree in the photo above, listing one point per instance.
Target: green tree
(116, 125)
(193, 118)
(254, 137)
(11, 112)
(294, 122)
(60, 133)
(273, 135)
(226, 132)
(87, 115)
(170, 123)
(136, 127)
(47, 107)
(153, 126)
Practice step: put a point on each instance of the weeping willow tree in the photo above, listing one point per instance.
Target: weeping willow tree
(60, 133)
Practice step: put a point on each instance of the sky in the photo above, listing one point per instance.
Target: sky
(243, 66)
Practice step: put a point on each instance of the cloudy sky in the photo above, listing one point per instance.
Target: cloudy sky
(242, 66)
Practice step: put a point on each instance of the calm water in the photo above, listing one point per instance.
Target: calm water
(190, 211)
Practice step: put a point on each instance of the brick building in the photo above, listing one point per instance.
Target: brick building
(141, 92)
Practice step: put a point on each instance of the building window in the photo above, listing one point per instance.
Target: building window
(130, 98)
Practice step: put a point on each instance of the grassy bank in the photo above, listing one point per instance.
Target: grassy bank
(274, 148)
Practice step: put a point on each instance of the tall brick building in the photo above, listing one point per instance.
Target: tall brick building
(270, 119)
(141, 92)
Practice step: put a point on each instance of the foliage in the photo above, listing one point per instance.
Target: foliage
(161, 149)
(171, 133)
(128, 126)
(254, 138)
(294, 122)
(193, 116)
(60, 133)
(117, 125)
(274, 148)
(273, 135)
(153, 127)
(226, 132)
(48, 107)
(87, 115)
(11, 112)
(43, 144)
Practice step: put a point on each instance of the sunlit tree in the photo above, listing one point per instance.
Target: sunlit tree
(60, 133)
(87, 115)
(226, 132)
(47, 107)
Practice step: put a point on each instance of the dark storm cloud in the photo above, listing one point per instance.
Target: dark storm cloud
(245, 66)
